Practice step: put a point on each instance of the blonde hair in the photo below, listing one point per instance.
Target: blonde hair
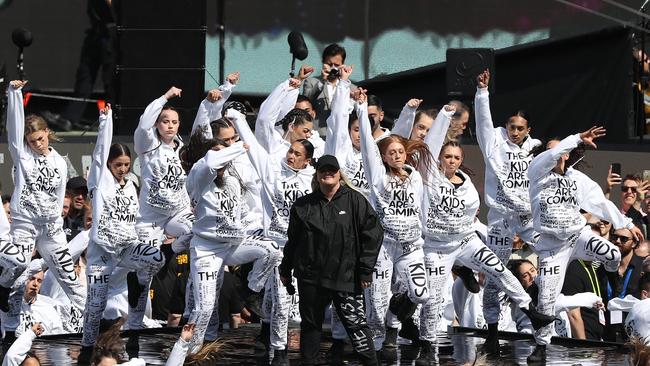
(35, 123)
(208, 354)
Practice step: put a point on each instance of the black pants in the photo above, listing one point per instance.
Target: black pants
(350, 309)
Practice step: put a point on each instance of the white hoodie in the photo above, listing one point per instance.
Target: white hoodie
(506, 183)
(637, 322)
(218, 210)
(39, 181)
(396, 201)
(114, 207)
(41, 310)
(163, 178)
(280, 189)
(556, 199)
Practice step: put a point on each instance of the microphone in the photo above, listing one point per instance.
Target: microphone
(22, 37)
(643, 6)
(297, 45)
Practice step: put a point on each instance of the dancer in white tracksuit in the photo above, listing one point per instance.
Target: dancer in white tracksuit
(113, 237)
(396, 195)
(12, 257)
(507, 154)
(37, 201)
(449, 210)
(557, 193)
(164, 203)
(280, 190)
(219, 236)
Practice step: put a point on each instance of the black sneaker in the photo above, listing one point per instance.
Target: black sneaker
(4, 299)
(410, 331)
(133, 345)
(335, 353)
(8, 340)
(537, 319)
(253, 302)
(538, 355)
(85, 355)
(388, 355)
(467, 276)
(263, 340)
(491, 345)
(402, 306)
(390, 341)
(280, 358)
(427, 354)
(134, 289)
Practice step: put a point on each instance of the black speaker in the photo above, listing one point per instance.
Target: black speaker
(161, 48)
(160, 14)
(463, 66)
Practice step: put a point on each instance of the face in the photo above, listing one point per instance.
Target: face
(120, 167)
(624, 240)
(395, 155)
(375, 115)
(39, 141)
(603, 227)
(297, 156)
(526, 274)
(646, 205)
(334, 61)
(460, 122)
(66, 207)
(167, 125)
(88, 219)
(450, 159)
(300, 132)
(355, 135)
(421, 127)
(517, 129)
(34, 284)
(107, 361)
(7, 207)
(307, 107)
(628, 192)
(328, 176)
(78, 198)
(228, 135)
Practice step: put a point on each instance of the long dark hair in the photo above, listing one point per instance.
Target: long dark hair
(417, 153)
(109, 344)
(117, 150)
(309, 148)
(295, 117)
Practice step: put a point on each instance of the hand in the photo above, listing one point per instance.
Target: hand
(233, 78)
(213, 95)
(483, 79)
(294, 83)
(173, 92)
(346, 71)
(305, 71)
(285, 280)
(612, 179)
(450, 108)
(187, 332)
(365, 284)
(414, 103)
(246, 146)
(38, 329)
(637, 233)
(325, 71)
(106, 109)
(599, 305)
(356, 94)
(591, 134)
(17, 84)
(642, 189)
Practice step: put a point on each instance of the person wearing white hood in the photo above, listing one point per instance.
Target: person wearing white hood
(449, 207)
(396, 195)
(557, 193)
(219, 233)
(280, 189)
(113, 238)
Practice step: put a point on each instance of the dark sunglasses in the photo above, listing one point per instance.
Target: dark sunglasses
(623, 239)
(627, 188)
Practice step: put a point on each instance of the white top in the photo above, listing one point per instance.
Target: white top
(637, 322)
(163, 178)
(178, 353)
(506, 163)
(280, 188)
(557, 198)
(42, 310)
(396, 201)
(114, 207)
(39, 180)
(19, 349)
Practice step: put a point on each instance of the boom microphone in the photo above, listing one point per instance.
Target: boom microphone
(22, 37)
(297, 45)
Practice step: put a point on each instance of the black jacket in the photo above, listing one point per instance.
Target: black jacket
(333, 244)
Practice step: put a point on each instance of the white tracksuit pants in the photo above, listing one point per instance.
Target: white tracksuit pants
(277, 308)
(178, 226)
(472, 253)
(554, 257)
(407, 261)
(205, 266)
(501, 231)
(145, 259)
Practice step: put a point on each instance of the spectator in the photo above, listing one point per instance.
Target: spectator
(631, 188)
(585, 323)
(458, 121)
(77, 190)
(6, 204)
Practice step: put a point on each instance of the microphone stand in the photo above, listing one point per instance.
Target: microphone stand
(20, 65)
(643, 79)
(293, 66)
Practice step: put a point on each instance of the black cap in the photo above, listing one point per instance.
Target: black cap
(327, 161)
(76, 183)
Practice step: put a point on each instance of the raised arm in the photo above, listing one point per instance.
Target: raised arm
(210, 108)
(372, 163)
(485, 133)
(337, 141)
(404, 123)
(99, 176)
(593, 200)
(543, 163)
(16, 119)
(289, 102)
(145, 137)
(269, 113)
(436, 136)
(205, 170)
(258, 156)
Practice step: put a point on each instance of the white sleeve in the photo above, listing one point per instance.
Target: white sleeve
(544, 163)
(99, 177)
(209, 111)
(485, 133)
(15, 123)
(372, 163)
(178, 353)
(568, 302)
(436, 136)
(259, 158)
(337, 141)
(624, 304)
(404, 123)
(593, 200)
(288, 103)
(78, 244)
(4, 226)
(18, 350)
(135, 362)
(145, 137)
(268, 114)
(205, 170)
